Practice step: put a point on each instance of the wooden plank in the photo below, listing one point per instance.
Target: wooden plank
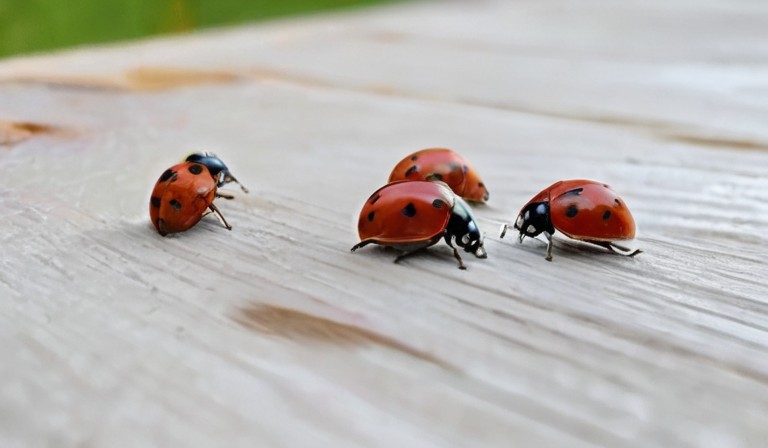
(276, 333)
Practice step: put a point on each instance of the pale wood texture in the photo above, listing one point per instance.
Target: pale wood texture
(274, 334)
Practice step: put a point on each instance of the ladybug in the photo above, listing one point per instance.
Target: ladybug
(185, 193)
(413, 215)
(584, 210)
(443, 165)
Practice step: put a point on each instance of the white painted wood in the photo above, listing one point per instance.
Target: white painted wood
(275, 335)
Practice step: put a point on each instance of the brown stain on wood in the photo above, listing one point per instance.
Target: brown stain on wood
(13, 132)
(309, 329)
(80, 82)
(717, 142)
(267, 74)
(165, 78)
(141, 79)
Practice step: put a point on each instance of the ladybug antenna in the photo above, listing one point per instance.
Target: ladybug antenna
(228, 177)
(503, 230)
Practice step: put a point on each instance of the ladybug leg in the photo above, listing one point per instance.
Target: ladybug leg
(549, 246)
(622, 250)
(360, 244)
(224, 195)
(616, 249)
(216, 210)
(455, 253)
(458, 257)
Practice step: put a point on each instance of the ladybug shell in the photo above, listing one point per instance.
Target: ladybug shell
(180, 197)
(406, 212)
(444, 165)
(588, 210)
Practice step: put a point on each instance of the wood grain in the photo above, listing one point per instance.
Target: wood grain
(274, 334)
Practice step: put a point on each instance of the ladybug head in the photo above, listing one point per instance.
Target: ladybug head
(534, 219)
(472, 241)
(217, 168)
(462, 226)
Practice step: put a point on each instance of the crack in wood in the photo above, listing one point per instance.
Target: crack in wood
(718, 142)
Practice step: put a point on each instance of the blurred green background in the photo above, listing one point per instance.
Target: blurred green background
(35, 25)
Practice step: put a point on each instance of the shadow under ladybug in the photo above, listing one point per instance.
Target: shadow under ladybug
(413, 215)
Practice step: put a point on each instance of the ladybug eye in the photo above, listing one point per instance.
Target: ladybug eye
(531, 229)
(527, 215)
(519, 222)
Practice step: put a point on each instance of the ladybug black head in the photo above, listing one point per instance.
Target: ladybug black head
(211, 161)
(534, 219)
(217, 168)
(473, 243)
(462, 226)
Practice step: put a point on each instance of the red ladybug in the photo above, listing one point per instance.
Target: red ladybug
(444, 165)
(185, 193)
(413, 215)
(581, 209)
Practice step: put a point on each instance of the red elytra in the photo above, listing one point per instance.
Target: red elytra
(444, 165)
(581, 209)
(413, 215)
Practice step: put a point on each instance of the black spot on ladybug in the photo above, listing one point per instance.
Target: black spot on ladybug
(465, 168)
(481, 185)
(167, 175)
(161, 227)
(412, 170)
(438, 203)
(606, 215)
(454, 167)
(374, 199)
(571, 211)
(175, 204)
(155, 201)
(414, 157)
(371, 216)
(618, 202)
(409, 210)
(435, 176)
(575, 191)
(195, 169)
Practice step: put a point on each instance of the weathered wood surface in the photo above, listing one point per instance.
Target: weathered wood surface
(275, 334)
